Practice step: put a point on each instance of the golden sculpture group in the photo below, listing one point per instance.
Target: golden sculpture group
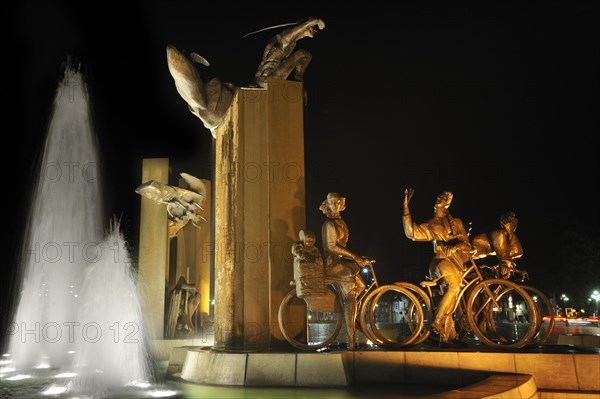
(210, 101)
(460, 299)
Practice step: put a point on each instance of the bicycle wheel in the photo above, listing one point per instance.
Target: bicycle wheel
(546, 311)
(362, 320)
(502, 314)
(425, 303)
(306, 329)
(387, 310)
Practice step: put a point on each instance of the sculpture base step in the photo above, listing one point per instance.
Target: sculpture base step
(465, 368)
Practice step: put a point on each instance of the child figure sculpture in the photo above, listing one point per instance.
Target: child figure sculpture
(308, 266)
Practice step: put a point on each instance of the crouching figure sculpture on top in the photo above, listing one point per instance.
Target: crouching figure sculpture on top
(279, 58)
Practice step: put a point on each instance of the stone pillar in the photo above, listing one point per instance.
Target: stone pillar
(204, 253)
(259, 208)
(153, 253)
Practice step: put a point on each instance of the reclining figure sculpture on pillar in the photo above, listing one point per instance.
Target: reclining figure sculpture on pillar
(183, 205)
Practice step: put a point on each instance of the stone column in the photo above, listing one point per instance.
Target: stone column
(204, 251)
(153, 253)
(259, 208)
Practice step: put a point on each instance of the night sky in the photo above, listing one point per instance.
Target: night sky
(497, 103)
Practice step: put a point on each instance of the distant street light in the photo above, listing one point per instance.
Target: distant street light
(565, 299)
(596, 297)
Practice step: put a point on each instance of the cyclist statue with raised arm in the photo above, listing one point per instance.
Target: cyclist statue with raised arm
(451, 249)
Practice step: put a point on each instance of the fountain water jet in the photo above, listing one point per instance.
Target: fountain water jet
(77, 310)
(64, 227)
(112, 351)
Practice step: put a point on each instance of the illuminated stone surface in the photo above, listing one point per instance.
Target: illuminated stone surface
(259, 208)
(153, 254)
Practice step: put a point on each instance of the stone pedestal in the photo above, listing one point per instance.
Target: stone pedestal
(163, 260)
(259, 209)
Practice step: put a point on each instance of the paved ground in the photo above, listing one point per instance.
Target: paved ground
(573, 327)
(551, 345)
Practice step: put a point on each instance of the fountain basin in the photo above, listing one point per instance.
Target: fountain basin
(464, 372)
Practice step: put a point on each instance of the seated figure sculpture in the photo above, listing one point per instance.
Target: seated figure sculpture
(308, 266)
(342, 266)
(184, 299)
(451, 249)
(504, 244)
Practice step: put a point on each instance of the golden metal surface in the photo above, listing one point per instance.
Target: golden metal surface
(342, 265)
(451, 250)
(209, 101)
(503, 243)
(279, 58)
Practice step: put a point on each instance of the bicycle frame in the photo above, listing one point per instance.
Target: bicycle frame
(370, 287)
(466, 284)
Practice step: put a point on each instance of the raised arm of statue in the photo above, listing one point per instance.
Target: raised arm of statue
(412, 230)
(305, 29)
(406, 217)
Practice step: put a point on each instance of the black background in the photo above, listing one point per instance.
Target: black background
(496, 102)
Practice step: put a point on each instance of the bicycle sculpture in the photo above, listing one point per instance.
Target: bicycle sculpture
(334, 288)
(505, 245)
(459, 297)
(499, 312)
